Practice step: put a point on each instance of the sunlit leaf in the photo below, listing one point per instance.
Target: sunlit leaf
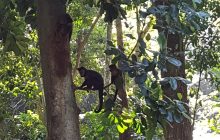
(180, 96)
(120, 129)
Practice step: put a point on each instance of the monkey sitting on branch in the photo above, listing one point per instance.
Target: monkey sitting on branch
(93, 81)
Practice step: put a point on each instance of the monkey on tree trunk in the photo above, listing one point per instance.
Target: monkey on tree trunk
(118, 80)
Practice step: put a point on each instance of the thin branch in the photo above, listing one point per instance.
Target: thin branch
(140, 36)
(197, 93)
(82, 42)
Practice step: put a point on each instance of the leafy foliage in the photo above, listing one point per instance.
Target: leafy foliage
(19, 92)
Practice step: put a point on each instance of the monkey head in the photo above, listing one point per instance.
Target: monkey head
(82, 71)
(113, 69)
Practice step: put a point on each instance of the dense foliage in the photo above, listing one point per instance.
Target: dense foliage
(22, 106)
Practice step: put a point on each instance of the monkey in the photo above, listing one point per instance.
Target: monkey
(65, 25)
(118, 80)
(111, 10)
(93, 81)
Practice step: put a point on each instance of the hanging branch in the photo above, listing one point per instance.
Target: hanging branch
(81, 42)
(140, 36)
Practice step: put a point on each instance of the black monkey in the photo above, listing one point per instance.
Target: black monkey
(111, 10)
(93, 81)
(116, 79)
(65, 25)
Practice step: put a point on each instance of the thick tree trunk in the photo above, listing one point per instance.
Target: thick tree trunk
(122, 93)
(61, 108)
(182, 131)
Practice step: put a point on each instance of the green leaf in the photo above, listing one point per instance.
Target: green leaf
(180, 96)
(140, 79)
(202, 14)
(174, 61)
(148, 37)
(180, 107)
(127, 121)
(173, 83)
(185, 81)
(120, 129)
(169, 116)
(145, 62)
(162, 110)
(162, 41)
(186, 116)
(197, 1)
(178, 118)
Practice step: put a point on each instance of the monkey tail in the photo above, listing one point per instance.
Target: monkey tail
(100, 101)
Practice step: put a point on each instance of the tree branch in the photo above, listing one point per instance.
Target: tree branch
(82, 42)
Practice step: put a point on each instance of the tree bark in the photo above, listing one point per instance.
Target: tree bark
(178, 131)
(122, 92)
(61, 108)
(107, 74)
(183, 130)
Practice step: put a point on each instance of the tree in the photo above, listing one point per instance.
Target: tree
(122, 95)
(54, 31)
(183, 130)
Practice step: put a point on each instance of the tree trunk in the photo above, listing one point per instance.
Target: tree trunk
(122, 92)
(61, 108)
(182, 131)
(178, 131)
(107, 74)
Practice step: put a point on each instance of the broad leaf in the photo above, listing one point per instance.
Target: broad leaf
(174, 61)
(173, 83)
(120, 129)
(140, 79)
(185, 81)
(169, 116)
(177, 117)
(180, 107)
